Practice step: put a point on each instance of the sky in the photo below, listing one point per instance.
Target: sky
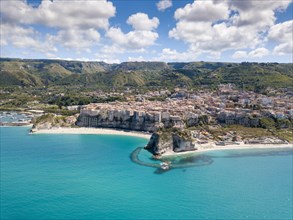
(148, 30)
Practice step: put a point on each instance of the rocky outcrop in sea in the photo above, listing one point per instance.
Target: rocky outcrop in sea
(170, 140)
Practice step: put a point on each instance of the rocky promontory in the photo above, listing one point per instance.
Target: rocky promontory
(49, 121)
(170, 140)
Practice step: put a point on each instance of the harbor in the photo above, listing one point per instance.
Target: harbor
(15, 118)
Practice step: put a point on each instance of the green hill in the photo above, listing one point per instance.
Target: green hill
(18, 72)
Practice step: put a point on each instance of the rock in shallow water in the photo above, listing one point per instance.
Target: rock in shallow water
(167, 140)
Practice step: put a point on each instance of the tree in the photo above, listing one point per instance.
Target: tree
(267, 123)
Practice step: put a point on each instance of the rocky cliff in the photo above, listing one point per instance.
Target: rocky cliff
(170, 140)
(137, 120)
(49, 121)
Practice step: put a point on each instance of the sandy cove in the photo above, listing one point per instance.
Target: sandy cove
(201, 148)
(92, 131)
(213, 147)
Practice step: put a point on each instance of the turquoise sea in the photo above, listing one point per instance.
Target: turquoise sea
(93, 177)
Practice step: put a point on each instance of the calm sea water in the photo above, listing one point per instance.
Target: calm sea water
(92, 177)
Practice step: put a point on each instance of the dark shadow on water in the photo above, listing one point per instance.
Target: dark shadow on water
(200, 160)
(204, 159)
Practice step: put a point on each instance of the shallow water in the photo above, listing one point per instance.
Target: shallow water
(93, 177)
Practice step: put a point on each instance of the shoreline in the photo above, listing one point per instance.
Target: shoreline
(242, 146)
(10, 126)
(211, 146)
(102, 131)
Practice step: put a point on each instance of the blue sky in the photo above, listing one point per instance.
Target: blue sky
(149, 30)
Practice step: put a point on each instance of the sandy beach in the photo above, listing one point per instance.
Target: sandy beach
(241, 146)
(201, 148)
(92, 131)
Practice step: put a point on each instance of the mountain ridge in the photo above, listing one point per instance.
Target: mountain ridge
(46, 72)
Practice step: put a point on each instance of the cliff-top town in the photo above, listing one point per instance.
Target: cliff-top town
(189, 118)
(226, 105)
(164, 109)
(187, 111)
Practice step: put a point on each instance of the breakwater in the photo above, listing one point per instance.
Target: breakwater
(175, 162)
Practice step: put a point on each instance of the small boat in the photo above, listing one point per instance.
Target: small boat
(165, 165)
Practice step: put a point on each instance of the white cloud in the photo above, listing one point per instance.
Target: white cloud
(207, 27)
(60, 14)
(107, 58)
(214, 55)
(111, 61)
(142, 36)
(257, 14)
(216, 26)
(282, 34)
(239, 55)
(285, 48)
(142, 22)
(50, 55)
(112, 49)
(78, 39)
(162, 5)
(168, 54)
(133, 39)
(85, 59)
(203, 11)
(137, 59)
(25, 38)
(257, 53)
(77, 23)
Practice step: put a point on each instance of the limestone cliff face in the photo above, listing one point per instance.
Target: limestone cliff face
(166, 141)
(138, 121)
(182, 144)
(158, 145)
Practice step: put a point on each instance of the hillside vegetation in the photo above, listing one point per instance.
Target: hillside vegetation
(17, 72)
